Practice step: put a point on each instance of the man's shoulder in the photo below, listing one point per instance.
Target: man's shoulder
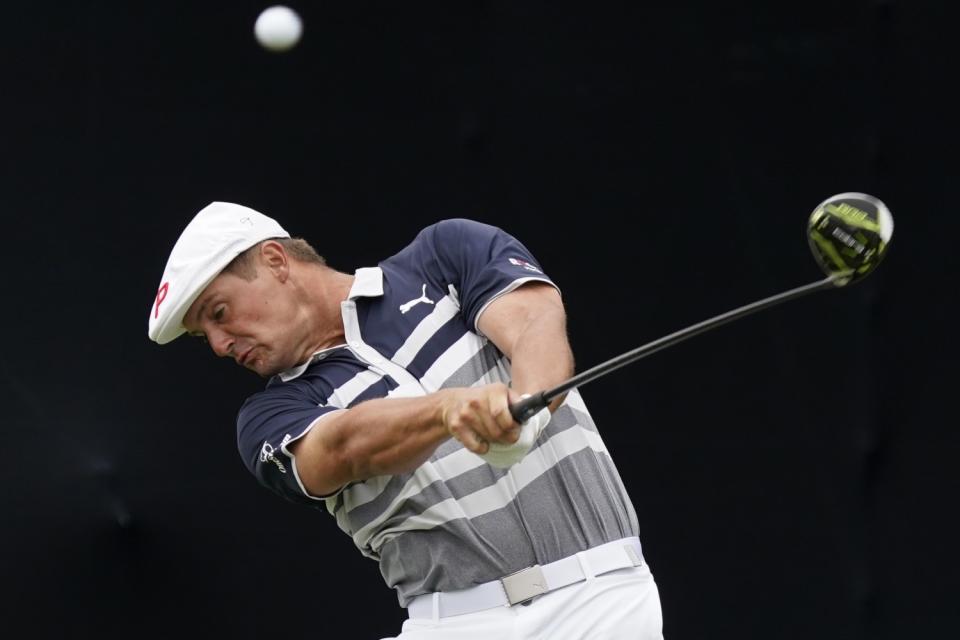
(448, 235)
(460, 225)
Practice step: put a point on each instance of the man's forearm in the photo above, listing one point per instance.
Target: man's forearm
(388, 436)
(377, 437)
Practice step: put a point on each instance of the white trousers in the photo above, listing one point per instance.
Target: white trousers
(620, 605)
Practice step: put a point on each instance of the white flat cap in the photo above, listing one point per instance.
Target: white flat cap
(217, 234)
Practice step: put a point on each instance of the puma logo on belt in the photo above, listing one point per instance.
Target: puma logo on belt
(423, 298)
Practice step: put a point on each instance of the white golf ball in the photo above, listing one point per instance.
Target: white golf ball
(278, 28)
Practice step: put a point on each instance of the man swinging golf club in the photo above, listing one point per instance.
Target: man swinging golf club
(388, 405)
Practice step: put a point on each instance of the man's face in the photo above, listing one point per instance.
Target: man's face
(252, 322)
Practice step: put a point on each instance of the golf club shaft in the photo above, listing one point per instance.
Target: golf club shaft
(528, 407)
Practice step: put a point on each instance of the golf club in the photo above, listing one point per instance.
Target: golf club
(848, 234)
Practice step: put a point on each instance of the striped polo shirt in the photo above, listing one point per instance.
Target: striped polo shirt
(411, 328)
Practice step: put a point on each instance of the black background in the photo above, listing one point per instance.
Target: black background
(794, 472)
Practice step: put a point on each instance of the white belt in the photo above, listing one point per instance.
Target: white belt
(530, 582)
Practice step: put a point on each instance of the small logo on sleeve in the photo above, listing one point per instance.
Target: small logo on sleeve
(526, 265)
(267, 455)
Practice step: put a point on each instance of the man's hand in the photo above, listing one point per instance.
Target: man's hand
(479, 416)
(504, 456)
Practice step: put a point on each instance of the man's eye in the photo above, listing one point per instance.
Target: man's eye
(218, 314)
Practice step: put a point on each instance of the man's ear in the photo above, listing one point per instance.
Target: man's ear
(273, 257)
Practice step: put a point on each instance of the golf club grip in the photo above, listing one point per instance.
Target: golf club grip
(529, 407)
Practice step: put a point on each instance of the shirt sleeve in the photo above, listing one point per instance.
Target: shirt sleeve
(483, 262)
(267, 423)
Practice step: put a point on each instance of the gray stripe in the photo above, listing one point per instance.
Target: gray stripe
(566, 520)
(472, 549)
(372, 507)
(464, 484)
(448, 447)
(481, 502)
(473, 480)
(485, 360)
(366, 513)
(475, 368)
(585, 420)
(618, 489)
(469, 482)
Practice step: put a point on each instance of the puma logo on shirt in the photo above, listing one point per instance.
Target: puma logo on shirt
(423, 298)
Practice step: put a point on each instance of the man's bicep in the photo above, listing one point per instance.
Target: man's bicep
(270, 425)
(505, 319)
(322, 468)
(482, 262)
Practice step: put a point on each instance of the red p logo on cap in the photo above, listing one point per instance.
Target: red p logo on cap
(161, 296)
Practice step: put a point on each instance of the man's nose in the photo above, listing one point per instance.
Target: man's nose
(221, 342)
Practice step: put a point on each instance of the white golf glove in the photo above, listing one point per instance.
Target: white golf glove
(506, 455)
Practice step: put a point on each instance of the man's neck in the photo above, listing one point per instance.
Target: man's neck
(326, 289)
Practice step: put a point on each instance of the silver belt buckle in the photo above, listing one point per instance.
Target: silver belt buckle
(524, 585)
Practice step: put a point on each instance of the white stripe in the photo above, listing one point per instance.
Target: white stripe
(425, 475)
(457, 355)
(364, 492)
(575, 400)
(346, 393)
(351, 327)
(446, 308)
(456, 464)
(496, 496)
(498, 373)
(442, 312)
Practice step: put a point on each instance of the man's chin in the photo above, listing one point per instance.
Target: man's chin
(266, 369)
(259, 367)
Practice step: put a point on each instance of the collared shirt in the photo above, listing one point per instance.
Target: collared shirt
(411, 329)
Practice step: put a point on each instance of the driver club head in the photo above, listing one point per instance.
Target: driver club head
(849, 234)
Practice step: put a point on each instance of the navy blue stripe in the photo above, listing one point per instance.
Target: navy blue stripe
(379, 389)
(437, 345)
